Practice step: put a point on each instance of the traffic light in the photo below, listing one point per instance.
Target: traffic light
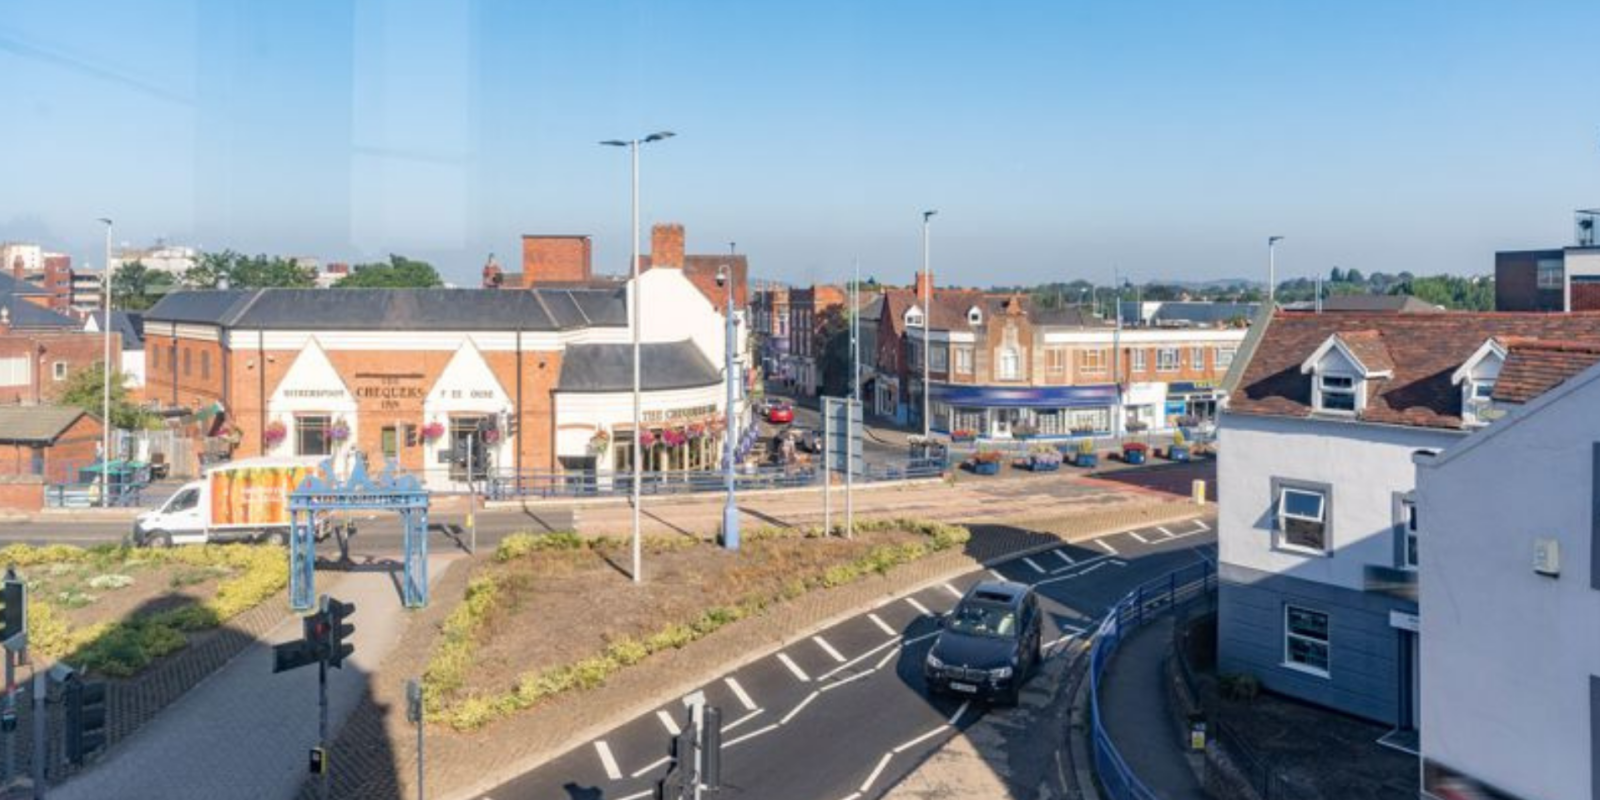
(14, 615)
(317, 631)
(511, 425)
(411, 435)
(339, 630)
(86, 718)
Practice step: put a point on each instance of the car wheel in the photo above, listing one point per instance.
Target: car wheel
(158, 539)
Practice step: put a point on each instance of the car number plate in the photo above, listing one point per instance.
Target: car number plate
(963, 687)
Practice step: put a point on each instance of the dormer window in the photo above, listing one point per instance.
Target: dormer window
(1344, 369)
(1477, 377)
(913, 318)
(974, 316)
(1337, 393)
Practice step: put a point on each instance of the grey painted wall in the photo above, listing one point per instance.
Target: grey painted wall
(1364, 651)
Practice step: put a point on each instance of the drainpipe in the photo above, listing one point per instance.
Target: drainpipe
(518, 443)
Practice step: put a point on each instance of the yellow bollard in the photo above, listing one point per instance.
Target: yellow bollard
(1199, 492)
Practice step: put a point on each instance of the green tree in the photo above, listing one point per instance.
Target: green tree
(239, 271)
(399, 273)
(1336, 275)
(1452, 292)
(1354, 276)
(84, 388)
(832, 345)
(135, 287)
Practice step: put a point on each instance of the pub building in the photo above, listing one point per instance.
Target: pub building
(538, 379)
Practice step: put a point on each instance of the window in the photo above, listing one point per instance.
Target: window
(205, 364)
(1338, 394)
(1055, 360)
(1167, 359)
(14, 371)
(1140, 360)
(389, 440)
(1302, 520)
(183, 501)
(312, 435)
(963, 361)
(1549, 273)
(1197, 358)
(1408, 534)
(186, 361)
(1305, 640)
(941, 359)
(913, 319)
(1225, 357)
(1010, 364)
(974, 316)
(1092, 360)
(58, 370)
(1482, 390)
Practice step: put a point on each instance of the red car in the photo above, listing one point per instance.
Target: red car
(780, 414)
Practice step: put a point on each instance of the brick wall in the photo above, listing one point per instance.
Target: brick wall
(556, 259)
(666, 245)
(1585, 296)
(182, 372)
(21, 493)
(72, 350)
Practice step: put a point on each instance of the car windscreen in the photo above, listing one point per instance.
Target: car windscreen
(983, 619)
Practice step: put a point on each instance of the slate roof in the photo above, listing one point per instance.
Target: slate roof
(1533, 367)
(541, 309)
(129, 325)
(1425, 349)
(1368, 303)
(36, 424)
(609, 367)
(1202, 313)
(24, 315)
(9, 284)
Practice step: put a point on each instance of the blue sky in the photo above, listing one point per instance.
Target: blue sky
(1057, 139)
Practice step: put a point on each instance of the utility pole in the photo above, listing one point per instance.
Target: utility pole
(472, 493)
(1116, 355)
(853, 403)
(105, 400)
(927, 324)
(1272, 270)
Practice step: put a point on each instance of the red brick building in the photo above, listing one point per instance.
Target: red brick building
(48, 441)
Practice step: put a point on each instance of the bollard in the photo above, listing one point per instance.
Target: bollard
(1199, 492)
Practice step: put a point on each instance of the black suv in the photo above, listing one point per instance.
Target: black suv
(989, 644)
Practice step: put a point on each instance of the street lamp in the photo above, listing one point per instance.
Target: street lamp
(633, 245)
(730, 510)
(927, 321)
(1272, 269)
(105, 395)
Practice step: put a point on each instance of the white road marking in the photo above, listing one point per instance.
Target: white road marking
(751, 735)
(876, 771)
(997, 575)
(1085, 562)
(794, 668)
(882, 626)
(1202, 524)
(738, 691)
(1117, 562)
(669, 723)
(952, 590)
(1108, 548)
(742, 720)
(1140, 539)
(607, 760)
(1062, 554)
(828, 648)
(956, 717)
(887, 657)
(855, 677)
(639, 795)
(852, 796)
(797, 709)
(1187, 534)
(921, 609)
(1034, 565)
(654, 765)
(1164, 532)
(1092, 568)
(904, 746)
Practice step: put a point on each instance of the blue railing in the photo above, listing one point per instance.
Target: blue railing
(1184, 586)
(510, 484)
(87, 495)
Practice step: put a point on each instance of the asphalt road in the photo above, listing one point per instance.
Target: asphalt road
(877, 445)
(844, 715)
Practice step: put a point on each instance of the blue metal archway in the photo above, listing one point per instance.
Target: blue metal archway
(321, 493)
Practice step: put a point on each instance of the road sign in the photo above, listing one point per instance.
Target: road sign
(841, 424)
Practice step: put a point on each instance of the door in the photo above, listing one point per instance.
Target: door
(1410, 681)
(182, 517)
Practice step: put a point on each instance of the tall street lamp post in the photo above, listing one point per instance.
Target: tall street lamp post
(634, 301)
(730, 510)
(1272, 269)
(927, 322)
(105, 389)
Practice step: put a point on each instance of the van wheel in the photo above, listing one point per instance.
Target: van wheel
(279, 538)
(159, 539)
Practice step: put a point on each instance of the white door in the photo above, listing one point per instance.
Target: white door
(181, 517)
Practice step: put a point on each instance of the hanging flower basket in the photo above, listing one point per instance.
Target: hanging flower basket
(647, 439)
(339, 431)
(695, 432)
(491, 436)
(274, 434)
(674, 437)
(432, 431)
(601, 441)
(963, 435)
(233, 435)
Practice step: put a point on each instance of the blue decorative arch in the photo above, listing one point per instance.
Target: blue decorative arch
(322, 492)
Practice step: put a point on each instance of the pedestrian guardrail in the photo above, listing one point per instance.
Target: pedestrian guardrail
(511, 484)
(1179, 588)
(87, 495)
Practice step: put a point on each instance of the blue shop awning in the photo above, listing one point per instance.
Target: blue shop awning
(1025, 396)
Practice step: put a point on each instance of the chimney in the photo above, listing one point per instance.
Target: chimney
(492, 276)
(666, 245)
(922, 284)
(556, 259)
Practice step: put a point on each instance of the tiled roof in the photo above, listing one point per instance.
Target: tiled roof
(1425, 349)
(1533, 367)
(541, 309)
(1368, 348)
(10, 285)
(36, 424)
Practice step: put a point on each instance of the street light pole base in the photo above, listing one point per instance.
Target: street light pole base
(730, 527)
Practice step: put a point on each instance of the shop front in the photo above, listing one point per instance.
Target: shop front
(1196, 400)
(683, 431)
(1145, 407)
(1023, 412)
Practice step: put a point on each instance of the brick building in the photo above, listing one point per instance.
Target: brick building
(537, 379)
(39, 348)
(807, 308)
(49, 441)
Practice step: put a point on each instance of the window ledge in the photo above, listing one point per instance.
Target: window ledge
(1307, 670)
(1297, 550)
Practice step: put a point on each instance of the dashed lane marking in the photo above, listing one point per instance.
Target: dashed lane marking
(652, 766)
(1033, 565)
(742, 720)
(921, 609)
(1062, 554)
(798, 708)
(876, 771)
(738, 691)
(997, 575)
(1108, 548)
(751, 735)
(1141, 539)
(794, 668)
(668, 722)
(828, 648)
(1165, 532)
(882, 626)
(608, 761)
(904, 746)
(952, 590)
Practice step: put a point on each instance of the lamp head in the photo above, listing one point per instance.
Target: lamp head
(722, 276)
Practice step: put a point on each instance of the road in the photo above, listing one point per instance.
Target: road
(844, 715)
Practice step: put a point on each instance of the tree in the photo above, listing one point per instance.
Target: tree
(1354, 276)
(1336, 275)
(832, 345)
(135, 287)
(238, 271)
(399, 273)
(1452, 292)
(83, 388)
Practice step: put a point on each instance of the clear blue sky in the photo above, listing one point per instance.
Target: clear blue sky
(1055, 138)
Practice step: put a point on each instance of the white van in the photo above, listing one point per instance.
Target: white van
(244, 500)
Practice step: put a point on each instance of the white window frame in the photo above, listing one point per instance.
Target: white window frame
(58, 370)
(1141, 360)
(1326, 642)
(1225, 357)
(1197, 358)
(1092, 360)
(1168, 359)
(1410, 544)
(1283, 516)
(1323, 390)
(940, 356)
(963, 360)
(1008, 363)
(974, 316)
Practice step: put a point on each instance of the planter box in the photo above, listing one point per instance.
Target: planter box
(1133, 456)
(1044, 466)
(963, 439)
(1087, 460)
(986, 468)
(1178, 452)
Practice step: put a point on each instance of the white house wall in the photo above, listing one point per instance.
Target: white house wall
(1507, 654)
(580, 414)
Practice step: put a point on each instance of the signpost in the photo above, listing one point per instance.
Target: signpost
(414, 715)
(841, 452)
(324, 642)
(14, 633)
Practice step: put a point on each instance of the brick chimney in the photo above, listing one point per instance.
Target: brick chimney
(556, 259)
(920, 284)
(492, 275)
(666, 245)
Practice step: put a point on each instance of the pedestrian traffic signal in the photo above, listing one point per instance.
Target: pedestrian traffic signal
(86, 718)
(14, 614)
(340, 629)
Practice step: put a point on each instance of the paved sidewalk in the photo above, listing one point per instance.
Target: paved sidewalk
(1133, 707)
(245, 721)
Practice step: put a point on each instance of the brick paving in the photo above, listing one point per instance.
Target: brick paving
(462, 765)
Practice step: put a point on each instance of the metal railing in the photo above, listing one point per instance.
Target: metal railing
(87, 495)
(511, 484)
(1181, 587)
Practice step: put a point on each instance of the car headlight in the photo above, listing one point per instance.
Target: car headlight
(1000, 674)
(934, 662)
